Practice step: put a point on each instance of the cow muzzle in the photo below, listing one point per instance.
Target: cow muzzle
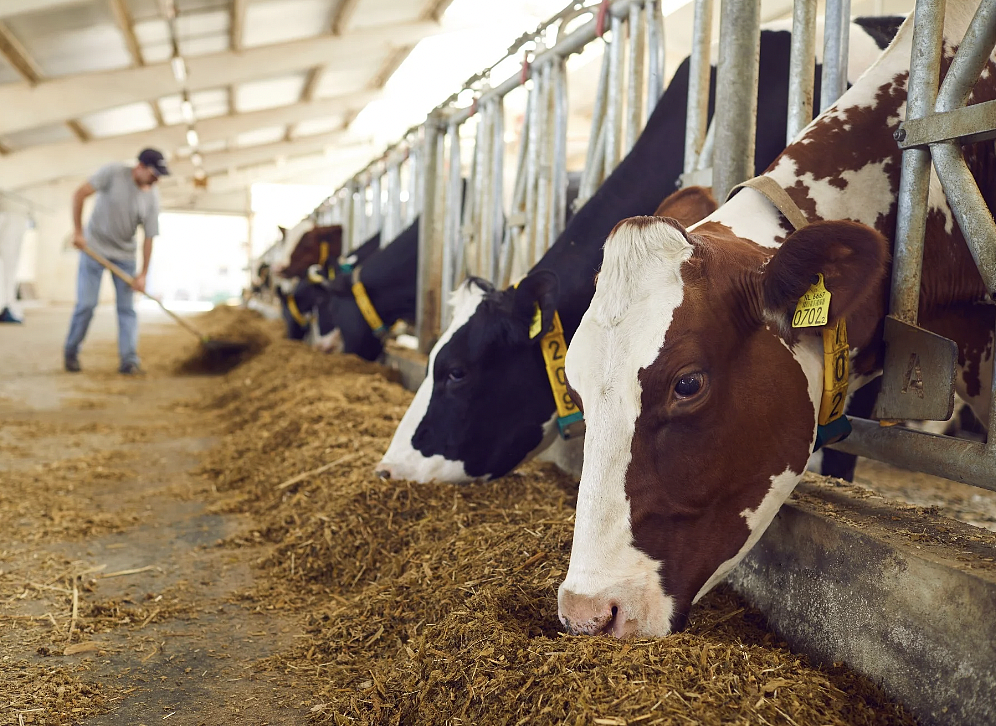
(583, 615)
(625, 610)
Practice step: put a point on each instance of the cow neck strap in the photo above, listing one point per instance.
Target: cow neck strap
(570, 420)
(295, 312)
(774, 193)
(366, 307)
(831, 424)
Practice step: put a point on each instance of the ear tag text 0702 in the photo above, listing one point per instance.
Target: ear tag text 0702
(813, 307)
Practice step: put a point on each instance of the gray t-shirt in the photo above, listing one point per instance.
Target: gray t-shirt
(120, 207)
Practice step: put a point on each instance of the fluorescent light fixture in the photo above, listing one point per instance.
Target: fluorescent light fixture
(192, 138)
(179, 69)
(187, 110)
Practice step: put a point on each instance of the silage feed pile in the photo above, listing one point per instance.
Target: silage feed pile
(250, 330)
(433, 604)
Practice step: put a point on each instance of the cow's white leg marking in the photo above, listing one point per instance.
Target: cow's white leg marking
(638, 290)
(402, 459)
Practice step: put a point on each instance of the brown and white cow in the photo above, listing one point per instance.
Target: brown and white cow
(700, 398)
(315, 246)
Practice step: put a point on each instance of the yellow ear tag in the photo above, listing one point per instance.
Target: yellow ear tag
(813, 307)
(536, 327)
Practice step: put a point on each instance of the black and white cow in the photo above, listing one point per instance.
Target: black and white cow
(314, 293)
(486, 404)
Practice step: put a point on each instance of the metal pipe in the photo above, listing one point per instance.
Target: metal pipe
(414, 182)
(969, 208)
(928, 29)
(428, 304)
(497, 184)
(558, 207)
(571, 44)
(482, 199)
(544, 181)
(595, 156)
(532, 163)
(705, 156)
(377, 213)
(474, 240)
(802, 68)
(451, 232)
(655, 55)
(972, 56)
(613, 110)
(634, 86)
(965, 461)
(736, 94)
(836, 33)
(699, 71)
(392, 227)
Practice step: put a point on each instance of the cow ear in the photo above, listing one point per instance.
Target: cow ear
(688, 206)
(542, 289)
(852, 257)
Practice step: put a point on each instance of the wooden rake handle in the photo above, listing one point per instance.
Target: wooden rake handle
(118, 272)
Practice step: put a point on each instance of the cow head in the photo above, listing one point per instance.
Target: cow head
(319, 245)
(464, 423)
(700, 402)
(501, 410)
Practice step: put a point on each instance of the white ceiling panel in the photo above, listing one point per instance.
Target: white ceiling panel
(277, 21)
(371, 13)
(202, 33)
(318, 126)
(213, 147)
(78, 39)
(269, 135)
(207, 104)
(122, 120)
(339, 82)
(269, 93)
(35, 137)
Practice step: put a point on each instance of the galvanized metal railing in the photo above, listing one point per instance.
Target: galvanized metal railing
(467, 230)
(937, 123)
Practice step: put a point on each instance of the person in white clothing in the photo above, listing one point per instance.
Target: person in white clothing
(13, 224)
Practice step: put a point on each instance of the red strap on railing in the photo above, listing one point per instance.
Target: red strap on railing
(603, 14)
(473, 105)
(526, 68)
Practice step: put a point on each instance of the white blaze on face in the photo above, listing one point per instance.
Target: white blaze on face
(638, 290)
(403, 460)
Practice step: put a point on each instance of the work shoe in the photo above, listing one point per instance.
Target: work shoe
(72, 363)
(130, 369)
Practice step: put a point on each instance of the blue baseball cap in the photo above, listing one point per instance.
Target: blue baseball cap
(155, 161)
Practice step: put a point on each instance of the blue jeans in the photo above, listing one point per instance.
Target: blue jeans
(87, 293)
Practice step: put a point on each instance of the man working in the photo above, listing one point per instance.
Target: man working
(126, 197)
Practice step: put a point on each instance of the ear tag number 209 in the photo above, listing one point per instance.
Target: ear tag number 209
(813, 307)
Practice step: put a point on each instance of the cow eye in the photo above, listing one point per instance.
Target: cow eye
(456, 374)
(688, 385)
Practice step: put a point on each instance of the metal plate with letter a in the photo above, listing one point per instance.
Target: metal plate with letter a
(918, 382)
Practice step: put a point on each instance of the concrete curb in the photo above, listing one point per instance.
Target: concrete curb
(899, 594)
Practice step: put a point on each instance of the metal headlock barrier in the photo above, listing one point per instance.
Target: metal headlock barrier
(472, 226)
(469, 224)
(938, 122)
